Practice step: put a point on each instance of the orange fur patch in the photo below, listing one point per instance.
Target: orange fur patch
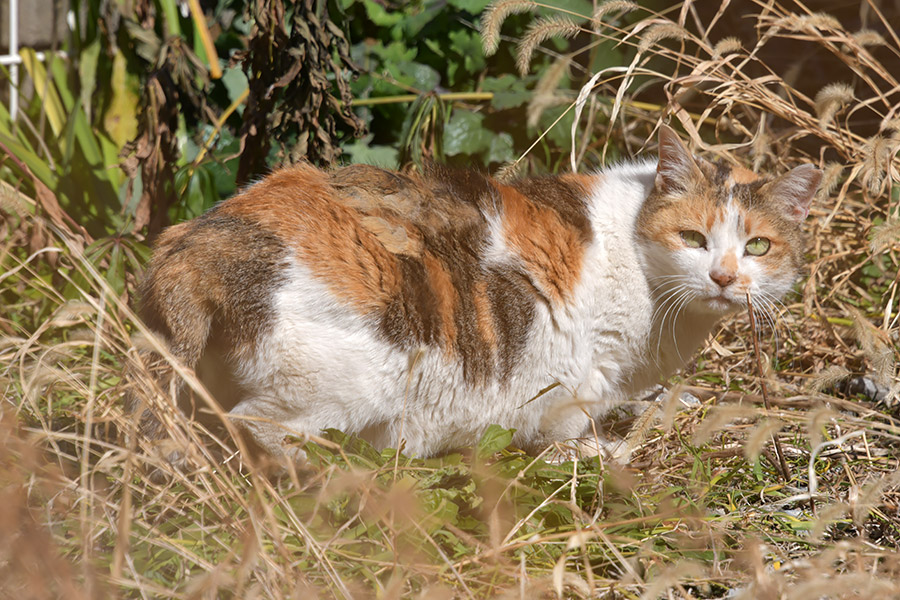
(551, 250)
(299, 205)
(483, 317)
(692, 213)
(585, 182)
(740, 175)
(446, 295)
(729, 263)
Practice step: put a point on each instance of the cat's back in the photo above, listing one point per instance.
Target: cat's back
(449, 259)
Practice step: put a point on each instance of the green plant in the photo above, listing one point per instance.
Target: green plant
(695, 511)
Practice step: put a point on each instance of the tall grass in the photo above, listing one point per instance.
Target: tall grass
(698, 511)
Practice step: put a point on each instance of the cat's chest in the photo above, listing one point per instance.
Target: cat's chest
(613, 312)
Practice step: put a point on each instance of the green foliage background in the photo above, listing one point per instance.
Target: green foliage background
(135, 129)
(141, 124)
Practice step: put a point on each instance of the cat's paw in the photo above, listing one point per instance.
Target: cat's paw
(168, 459)
(588, 447)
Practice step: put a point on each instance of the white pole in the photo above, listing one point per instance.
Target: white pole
(14, 51)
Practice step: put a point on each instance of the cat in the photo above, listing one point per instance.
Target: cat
(414, 310)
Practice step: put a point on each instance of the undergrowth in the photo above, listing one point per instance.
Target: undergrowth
(693, 505)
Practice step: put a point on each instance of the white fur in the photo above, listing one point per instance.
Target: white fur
(324, 365)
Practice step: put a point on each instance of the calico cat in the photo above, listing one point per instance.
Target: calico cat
(417, 309)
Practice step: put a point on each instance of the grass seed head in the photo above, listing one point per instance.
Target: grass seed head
(539, 32)
(885, 235)
(814, 21)
(831, 179)
(727, 45)
(612, 6)
(830, 99)
(493, 17)
(760, 436)
(868, 38)
(659, 32)
(827, 379)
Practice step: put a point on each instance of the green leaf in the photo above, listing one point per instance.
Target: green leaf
(235, 81)
(200, 192)
(560, 133)
(494, 439)
(381, 16)
(468, 45)
(435, 47)
(474, 7)
(422, 77)
(87, 74)
(584, 8)
(115, 275)
(395, 52)
(607, 54)
(465, 134)
(509, 91)
(501, 149)
(172, 21)
(120, 120)
(399, 61)
(416, 20)
(439, 507)
(35, 163)
(45, 89)
(362, 152)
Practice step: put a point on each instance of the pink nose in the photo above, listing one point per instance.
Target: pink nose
(722, 278)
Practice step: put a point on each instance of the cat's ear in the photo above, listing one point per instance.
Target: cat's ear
(676, 167)
(795, 190)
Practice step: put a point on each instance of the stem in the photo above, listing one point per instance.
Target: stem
(217, 127)
(779, 453)
(470, 96)
(215, 71)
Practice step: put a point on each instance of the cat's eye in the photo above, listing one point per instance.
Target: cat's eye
(758, 246)
(693, 239)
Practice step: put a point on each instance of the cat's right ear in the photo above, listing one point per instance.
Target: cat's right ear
(676, 168)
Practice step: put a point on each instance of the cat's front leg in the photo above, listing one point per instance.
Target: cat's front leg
(265, 424)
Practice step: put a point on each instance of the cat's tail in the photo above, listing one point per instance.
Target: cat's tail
(176, 296)
(176, 303)
(211, 282)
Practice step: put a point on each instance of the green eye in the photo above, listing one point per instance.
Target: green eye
(757, 246)
(693, 239)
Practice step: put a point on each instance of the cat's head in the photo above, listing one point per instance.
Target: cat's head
(712, 232)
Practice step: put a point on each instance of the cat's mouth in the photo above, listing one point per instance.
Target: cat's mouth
(722, 302)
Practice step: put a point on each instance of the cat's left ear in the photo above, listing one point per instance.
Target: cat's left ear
(795, 190)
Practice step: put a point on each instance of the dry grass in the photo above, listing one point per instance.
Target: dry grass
(699, 510)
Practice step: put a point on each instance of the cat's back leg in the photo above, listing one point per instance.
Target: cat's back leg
(321, 365)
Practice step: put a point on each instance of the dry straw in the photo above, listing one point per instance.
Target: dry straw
(81, 517)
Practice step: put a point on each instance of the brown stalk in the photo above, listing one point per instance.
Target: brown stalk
(781, 464)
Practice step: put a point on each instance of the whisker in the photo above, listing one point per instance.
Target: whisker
(675, 302)
(765, 305)
(670, 277)
(774, 300)
(670, 300)
(686, 299)
(665, 298)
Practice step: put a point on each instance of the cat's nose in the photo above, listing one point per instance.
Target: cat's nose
(722, 278)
